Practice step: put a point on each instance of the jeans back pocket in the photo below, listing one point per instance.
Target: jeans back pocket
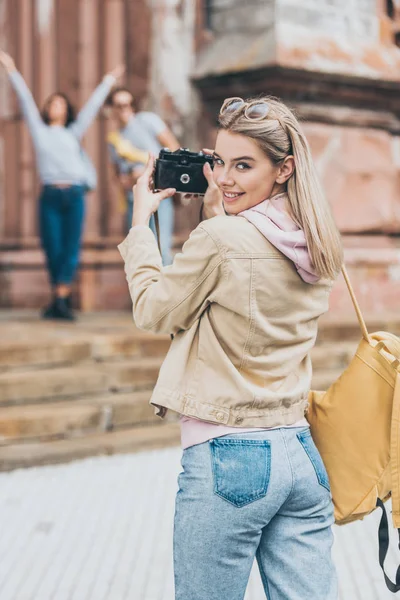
(307, 442)
(241, 469)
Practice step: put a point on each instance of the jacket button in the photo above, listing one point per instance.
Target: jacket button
(220, 416)
(256, 351)
(239, 420)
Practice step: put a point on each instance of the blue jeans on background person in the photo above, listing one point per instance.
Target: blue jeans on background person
(61, 217)
(166, 220)
(264, 496)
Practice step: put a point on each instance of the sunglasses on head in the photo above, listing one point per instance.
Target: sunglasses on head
(256, 110)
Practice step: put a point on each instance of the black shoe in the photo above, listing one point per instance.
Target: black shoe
(48, 311)
(68, 301)
(63, 310)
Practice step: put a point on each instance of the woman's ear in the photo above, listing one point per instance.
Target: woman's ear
(286, 170)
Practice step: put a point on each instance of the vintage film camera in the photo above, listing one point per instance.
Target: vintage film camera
(182, 170)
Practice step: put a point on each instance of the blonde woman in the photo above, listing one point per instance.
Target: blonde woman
(242, 301)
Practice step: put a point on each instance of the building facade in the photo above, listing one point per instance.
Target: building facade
(337, 62)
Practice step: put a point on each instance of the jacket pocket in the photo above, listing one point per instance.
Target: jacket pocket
(307, 442)
(241, 469)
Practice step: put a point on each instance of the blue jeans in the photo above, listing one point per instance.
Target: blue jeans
(61, 216)
(166, 220)
(262, 495)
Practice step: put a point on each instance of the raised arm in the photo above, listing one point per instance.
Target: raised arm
(159, 129)
(27, 103)
(166, 300)
(169, 299)
(90, 110)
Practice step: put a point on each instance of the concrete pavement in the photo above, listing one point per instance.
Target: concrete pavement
(101, 529)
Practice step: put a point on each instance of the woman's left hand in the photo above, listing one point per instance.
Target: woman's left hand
(145, 201)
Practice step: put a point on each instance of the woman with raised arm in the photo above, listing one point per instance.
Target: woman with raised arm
(65, 173)
(242, 301)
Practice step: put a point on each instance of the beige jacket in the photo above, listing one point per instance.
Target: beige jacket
(243, 321)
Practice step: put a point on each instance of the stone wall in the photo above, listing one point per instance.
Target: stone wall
(337, 64)
(174, 25)
(337, 36)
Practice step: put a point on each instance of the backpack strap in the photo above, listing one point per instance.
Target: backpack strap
(157, 225)
(383, 538)
(383, 531)
(395, 452)
(357, 308)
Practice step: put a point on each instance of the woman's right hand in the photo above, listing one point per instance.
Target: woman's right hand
(7, 62)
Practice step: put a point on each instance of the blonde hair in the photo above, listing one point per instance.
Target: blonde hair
(279, 135)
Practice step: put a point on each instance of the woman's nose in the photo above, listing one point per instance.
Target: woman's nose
(225, 178)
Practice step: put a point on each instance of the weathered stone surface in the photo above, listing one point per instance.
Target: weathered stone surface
(321, 381)
(63, 419)
(52, 384)
(75, 418)
(26, 353)
(354, 38)
(331, 329)
(360, 172)
(131, 440)
(106, 347)
(332, 355)
(91, 398)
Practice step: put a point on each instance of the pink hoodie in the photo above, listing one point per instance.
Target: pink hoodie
(272, 219)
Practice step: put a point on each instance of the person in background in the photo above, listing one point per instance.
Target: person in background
(138, 134)
(64, 171)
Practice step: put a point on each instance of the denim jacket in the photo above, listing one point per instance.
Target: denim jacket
(243, 322)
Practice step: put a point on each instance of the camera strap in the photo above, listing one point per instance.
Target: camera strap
(157, 225)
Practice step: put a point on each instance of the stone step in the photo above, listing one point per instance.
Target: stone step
(95, 413)
(134, 439)
(130, 345)
(331, 329)
(75, 417)
(32, 387)
(332, 355)
(57, 351)
(25, 354)
(323, 379)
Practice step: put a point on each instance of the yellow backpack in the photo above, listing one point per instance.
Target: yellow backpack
(355, 425)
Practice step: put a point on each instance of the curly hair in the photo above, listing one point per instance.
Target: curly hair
(71, 113)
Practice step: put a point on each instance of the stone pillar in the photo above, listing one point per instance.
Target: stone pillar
(338, 64)
(171, 94)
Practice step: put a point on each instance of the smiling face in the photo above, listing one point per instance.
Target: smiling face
(122, 106)
(57, 110)
(244, 174)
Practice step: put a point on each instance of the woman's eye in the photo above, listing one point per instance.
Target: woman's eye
(218, 161)
(242, 166)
